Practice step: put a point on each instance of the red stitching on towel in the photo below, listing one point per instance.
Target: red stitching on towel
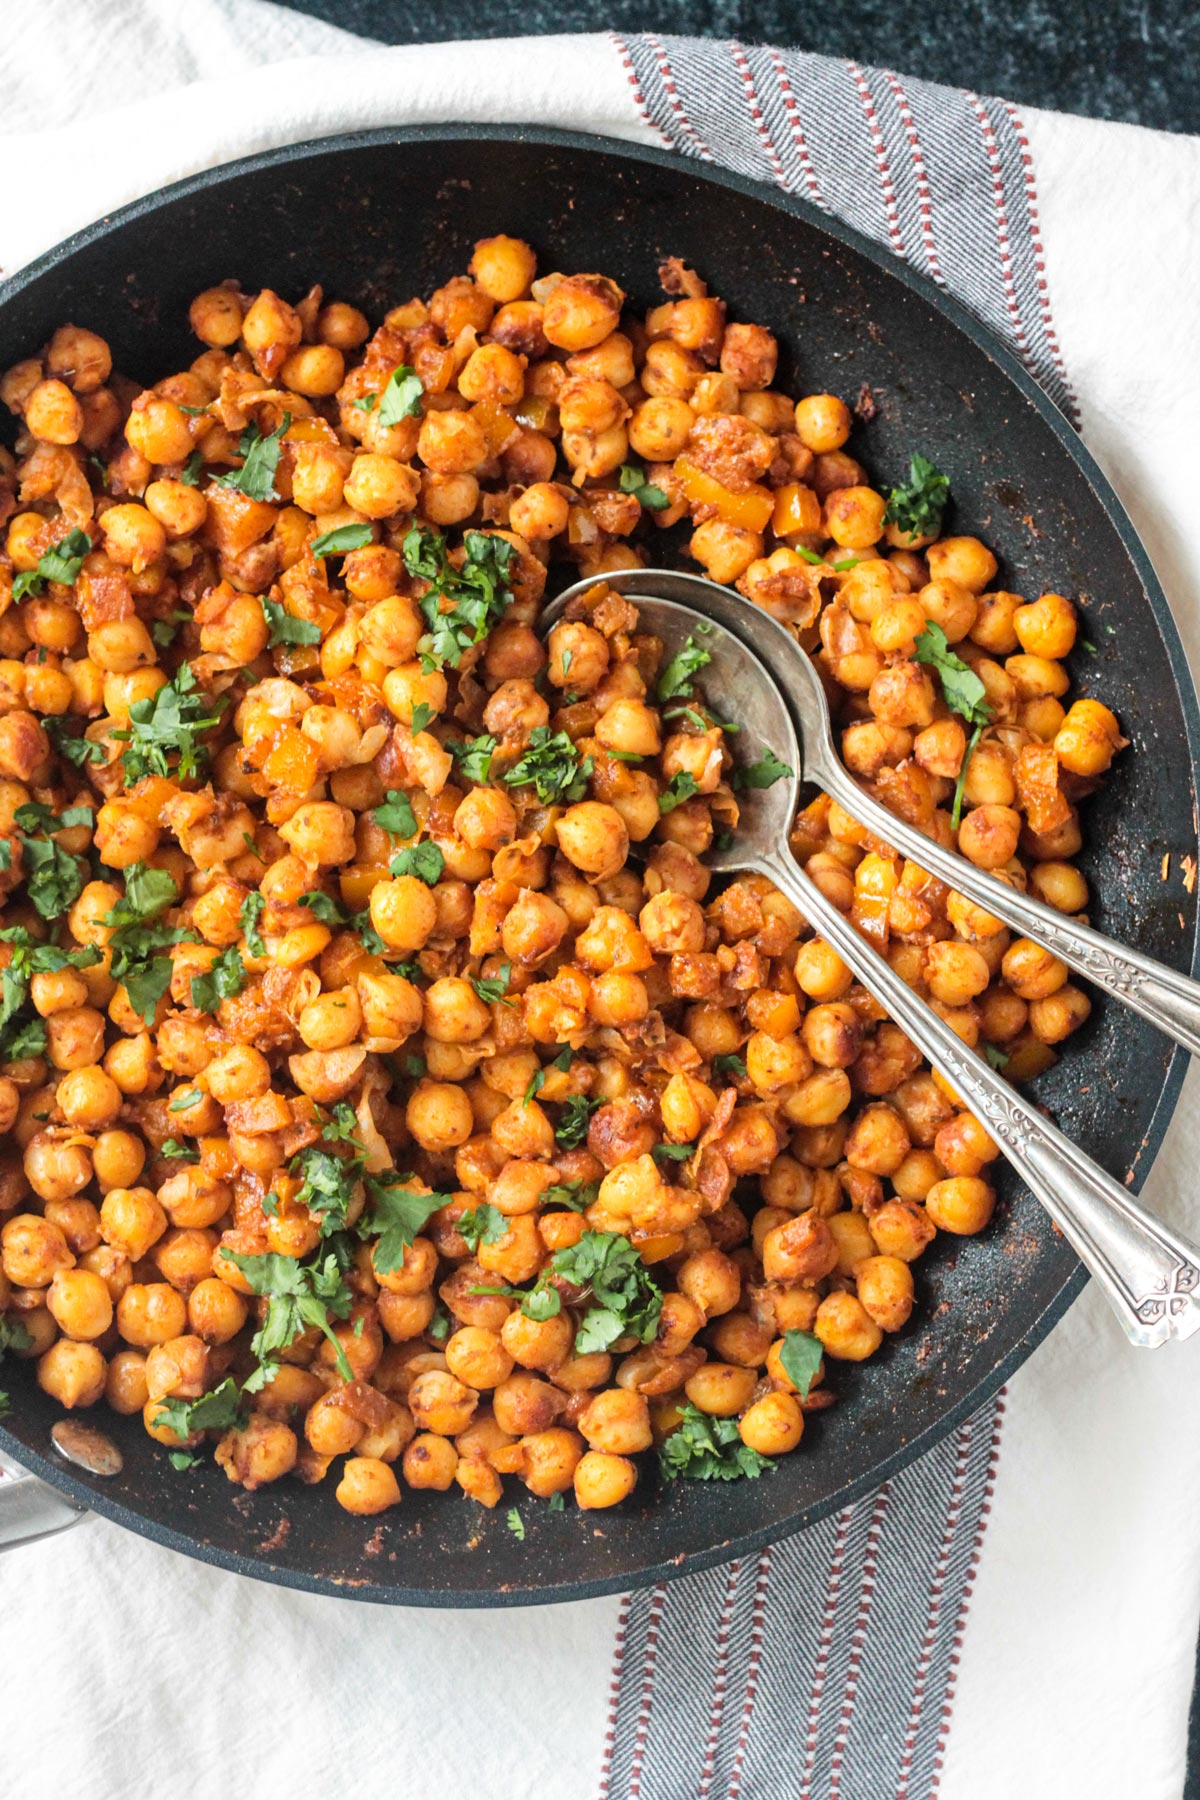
(793, 114)
(720, 1682)
(924, 198)
(857, 1640)
(1002, 237)
(756, 112)
(1039, 253)
(756, 1644)
(968, 1588)
(672, 92)
(622, 49)
(824, 1644)
(614, 1697)
(643, 1720)
(881, 158)
(936, 1592)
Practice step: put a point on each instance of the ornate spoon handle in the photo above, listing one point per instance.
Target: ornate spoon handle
(1169, 1000)
(1150, 1273)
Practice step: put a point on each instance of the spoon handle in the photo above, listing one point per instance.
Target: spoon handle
(1150, 1273)
(1169, 1000)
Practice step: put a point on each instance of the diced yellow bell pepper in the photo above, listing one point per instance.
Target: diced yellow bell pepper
(751, 510)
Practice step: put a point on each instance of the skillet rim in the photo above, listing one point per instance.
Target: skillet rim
(260, 1568)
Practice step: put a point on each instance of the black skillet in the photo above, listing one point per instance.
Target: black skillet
(379, 216)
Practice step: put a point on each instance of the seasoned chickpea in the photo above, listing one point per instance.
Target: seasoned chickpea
(961, 1204)
(81, 1304)
(846, 1330)
(773, 1425)
(71, 1373)
(602, 1479)
(367, 1486)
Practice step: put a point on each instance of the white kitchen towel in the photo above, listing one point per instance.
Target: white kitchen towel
(1018, 1612)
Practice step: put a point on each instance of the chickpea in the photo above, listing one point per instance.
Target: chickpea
(125, 1388)
(721, 1389)
(988, 836)
(845, 1328)
(1088, 738)
(602, 1479)
(822, 422)
(773, 1425)
(439, 1115)
(1059, 1014)
(72, 1373)
(593, 837)
(53, 414)
(403, 912)
(81, 1304)
(961, 1204)
(964, 560)
(33, 1251)
(264, 1450)
(367, 1486)
(56, 1170)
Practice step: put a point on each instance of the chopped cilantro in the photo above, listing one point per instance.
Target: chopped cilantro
(675, 681)
(632, 480)
(192, 469)
(13, 1335)
(216, 1411)
(286, 629)
(998, 1058)
(396, 815)
(552, 766)
(492, 988)
(260, 459)
(516, 1524)
(474, 756)
(399, 1214)
(424, 860)
(462, 603)
(682, 786)
(572, 1125)
(253, 907)
(761, 774)
(185, 1100)
(340, 540)
(61, 562)
(77, 750)
(623, 1299)
(224, 981)
(327, 1185)
(705, 1448)
(917, 506)
(401, 398)
(169, 724)
(575, 1196)
(422, 714)
(673, 1152)
(801, 1358)
(298, 1295)
(556, 1503)
(963, 692)
(729, 1064)
(482, 1225)
(177, 1151)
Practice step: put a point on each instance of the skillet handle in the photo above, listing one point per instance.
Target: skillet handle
(1149, 1273)
(30, 1509)
(1162, 995)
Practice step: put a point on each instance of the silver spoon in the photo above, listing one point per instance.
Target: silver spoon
(1166, 998)
(1150, 1273)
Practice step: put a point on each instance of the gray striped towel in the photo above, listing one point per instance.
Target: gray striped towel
(825, 1667)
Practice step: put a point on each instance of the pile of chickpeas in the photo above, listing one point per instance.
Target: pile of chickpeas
(816, 1178)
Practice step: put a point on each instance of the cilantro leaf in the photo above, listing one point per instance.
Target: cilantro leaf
(484, 1224)
(705, 1448)
(215, 1411)
(340, 540)
(286, 629)
(401, 398)
(13, 1335)
(998, 1058)
(168, 724)
(396, 815)
(183, 1460)
(425, 861)
(147, 984)
(632, 480)
(184, 1101)
(178, 1152)
(422, 713)
(53, 878)
(572, 1125)
(516, 1524)
(400, 1213)
(192, 469)
(298, 1295)
(575, 1196)
(474, 756)
(342, 1127)
(682, 786)
(676, 679)
(761, 774)
(61, 562)
(673, 1152)
(801, 1358)
(328, 1185)
(491, 988)
(224, 981)
(76, 750)
(323, 907)
(256, 477)
(962, 689)
(556, 1503)
(624, 1300)
(552, 766)
(440, 1326)
(917, 506)
(729, 1064)
(253, 907)
(461, 604)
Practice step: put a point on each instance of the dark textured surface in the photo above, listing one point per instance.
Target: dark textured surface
(327, 213)
(1137, 60)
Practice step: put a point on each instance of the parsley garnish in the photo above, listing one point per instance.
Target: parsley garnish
(553, 766)
(177, 1151)
(328, 1184)
(491, 988)
(761, 774)
(192, 469)
(624, 1300)
(572, 1126)
(729, 1064)
(422, 714)
(136, 937)
(401, 398)
(575, 1196)
(256, 477)
(917, 507)
(633, 480)
(285, 629)
(484, 1224)
(217, 1411)
(673, 1152)
(676, 679)
(682, 786)
(337, 542)
(963, 692)
(253, 907)
(396, 815)
(516, 1524)
(425, 861)
(704, 1448)
(224, 981)
(474, 757)
(61, 562)
(400, 1214)
(168, 724)
(298, 1295)
(998, 1058)
(801, 1358)
(461, 604)
(77, 750)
